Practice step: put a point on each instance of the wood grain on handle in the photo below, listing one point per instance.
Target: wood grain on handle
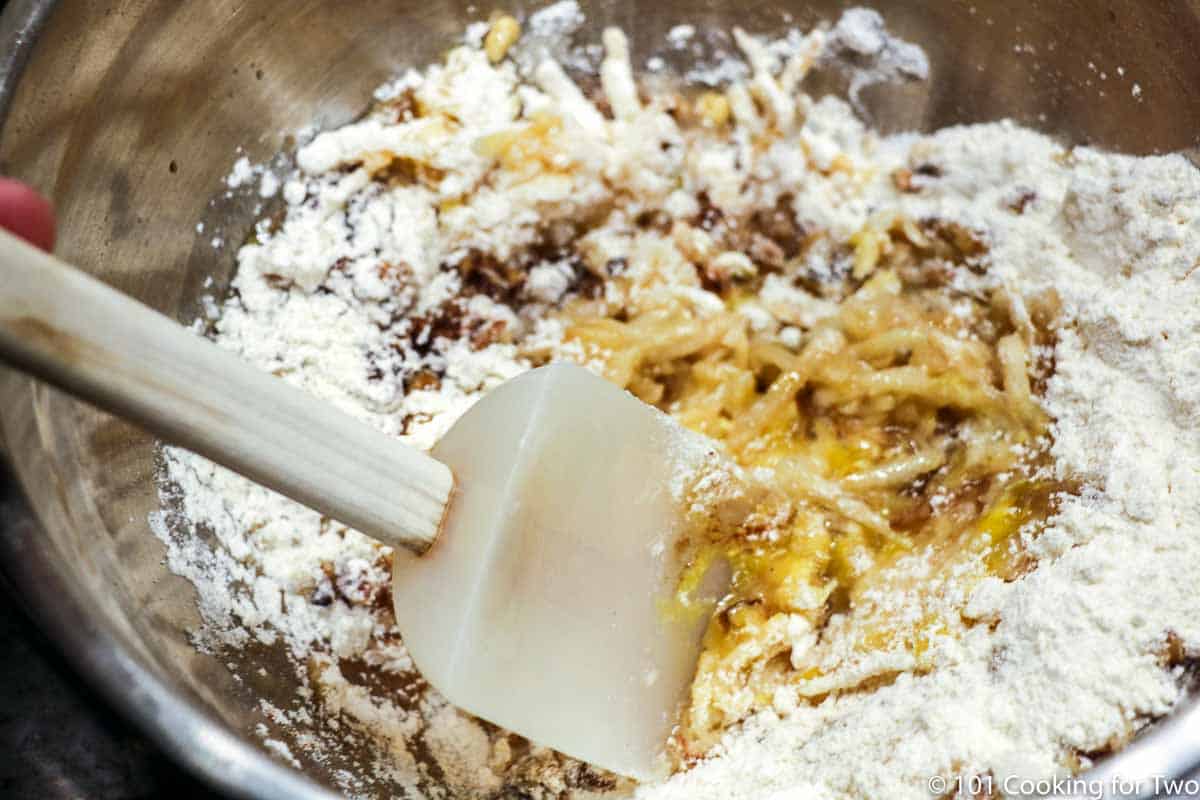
(77, 333)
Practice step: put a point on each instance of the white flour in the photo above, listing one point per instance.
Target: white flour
(1075, 660)
(860, 41)
(353, 300)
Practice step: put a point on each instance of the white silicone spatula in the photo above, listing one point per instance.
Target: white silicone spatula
(536, 550)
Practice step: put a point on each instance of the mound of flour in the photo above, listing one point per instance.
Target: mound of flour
(1058, 666)
(1069, 660)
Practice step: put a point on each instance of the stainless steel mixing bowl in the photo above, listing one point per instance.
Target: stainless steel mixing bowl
(128, 113)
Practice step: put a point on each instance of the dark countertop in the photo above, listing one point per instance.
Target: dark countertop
(59, 740)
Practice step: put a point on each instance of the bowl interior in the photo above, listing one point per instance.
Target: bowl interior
(129, 114)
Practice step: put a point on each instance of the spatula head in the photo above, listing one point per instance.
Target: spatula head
(546, 604)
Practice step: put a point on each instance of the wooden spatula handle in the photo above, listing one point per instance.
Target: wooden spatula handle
(73, 331)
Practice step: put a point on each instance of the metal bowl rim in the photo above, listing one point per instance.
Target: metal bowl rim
(179, 724)
(206, 747)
